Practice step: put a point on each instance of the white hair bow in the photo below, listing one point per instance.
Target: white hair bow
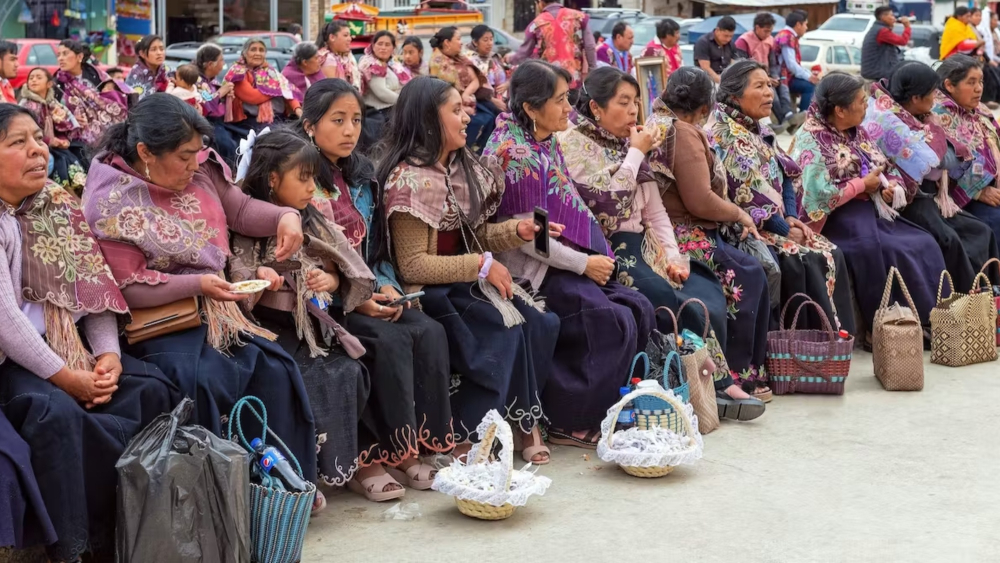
(245, 152)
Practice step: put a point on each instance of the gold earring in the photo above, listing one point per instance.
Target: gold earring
(147, 169)
(534, 126)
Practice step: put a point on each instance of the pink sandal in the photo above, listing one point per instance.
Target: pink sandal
(528, 453)
(418, 476)
(373, 488)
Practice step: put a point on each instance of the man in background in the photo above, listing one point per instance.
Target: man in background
(668, 35)
(759, 46)
(560, 36)
(617, 53)
(8, 70)
(882, 49)
(799, 80)
(714, 51)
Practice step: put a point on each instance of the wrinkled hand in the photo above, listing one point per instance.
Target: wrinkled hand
(214, 287)
(677, 273)
(887, 195)
(225, 90)
(599, 269)
(289, 236)
(872, 180)
(86, 386)
(391, 293)
(319, 281)
(749, 228)
(269, 275)
(376, 309)
(499, 277)
(990, 196)
(642, 139)
(806, 233)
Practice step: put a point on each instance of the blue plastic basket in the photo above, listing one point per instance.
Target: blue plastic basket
(278, 518)
(651, 411)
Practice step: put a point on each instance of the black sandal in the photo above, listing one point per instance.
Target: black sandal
(738, 409)
(588, 442)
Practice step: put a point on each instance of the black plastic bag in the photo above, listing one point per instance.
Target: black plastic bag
(183, 495)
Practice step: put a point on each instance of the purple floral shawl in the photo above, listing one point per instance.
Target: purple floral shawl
(299, 79)
(536, 176)
(95, 111)
(143, 82)
(264, 79)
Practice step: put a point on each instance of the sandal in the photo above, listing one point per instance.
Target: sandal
(738, 409)
(319, 503)
(561, 438)
(527, 453)
(373, 488)
(763, 394)
(417, 476)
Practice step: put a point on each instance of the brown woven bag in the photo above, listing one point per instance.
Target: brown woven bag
(962, 326)
(699, 377)
(898, 341)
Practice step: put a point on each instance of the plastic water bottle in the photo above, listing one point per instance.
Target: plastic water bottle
(843, 336)
(271, 459)
(626, 417)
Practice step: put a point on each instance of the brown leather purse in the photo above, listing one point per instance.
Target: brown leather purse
(165, 319)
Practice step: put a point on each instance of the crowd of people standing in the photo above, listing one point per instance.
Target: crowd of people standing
(389, 206)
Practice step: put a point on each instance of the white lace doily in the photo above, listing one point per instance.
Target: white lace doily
(491, 482)
(655, 447)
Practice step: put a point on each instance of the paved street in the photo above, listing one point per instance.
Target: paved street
(870, 476)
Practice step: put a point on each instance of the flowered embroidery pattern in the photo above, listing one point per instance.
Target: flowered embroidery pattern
(974, 136)
(560, 40)
(94, 111)
(693, 241)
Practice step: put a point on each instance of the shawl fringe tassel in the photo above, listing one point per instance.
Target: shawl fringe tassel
(64, 338)
(884, 209)
(303, 321)
(511, 316)
(226, 323)
(944, 202)
(654, 254)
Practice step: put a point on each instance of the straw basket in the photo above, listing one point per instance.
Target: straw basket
(807, 361)
(496, 500)
(652, 464)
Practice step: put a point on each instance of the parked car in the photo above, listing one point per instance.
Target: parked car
(604, 19)
(33, 53)
(686, 26)
(847, 29)
(230, 55)
(276, 40)
(829, 56)
(645, 31)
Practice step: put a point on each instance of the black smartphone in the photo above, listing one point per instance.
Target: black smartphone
(542, 236)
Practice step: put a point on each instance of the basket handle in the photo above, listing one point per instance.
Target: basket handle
(708, 323)
(237, 412)
(677, 330)
(645, 360)
(976, 288)
(988, 262)
(670, 398)
(822, 316)
(895, 275)
(497, 430)
(784, 310)
(673, 357)
(951, 285)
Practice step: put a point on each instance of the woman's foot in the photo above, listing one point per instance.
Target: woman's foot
(586, 439)
(414, 473)
(461, 451)
(375, 484)
(319, 502)
(534, 449)
(735, 404)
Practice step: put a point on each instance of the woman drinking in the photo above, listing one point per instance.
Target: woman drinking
(438, 198)
(150, 74)
(603, 323)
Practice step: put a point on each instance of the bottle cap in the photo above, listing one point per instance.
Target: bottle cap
(624, 391)
(844, 334)
(256, 443)
(636, 380)
(648, 384)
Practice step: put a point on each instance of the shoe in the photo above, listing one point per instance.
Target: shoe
(738, 409)
(527, 453)
(417, 477)
(588, 442)
(319, 503)
(373, 488)
(763, 393)
(797, 119)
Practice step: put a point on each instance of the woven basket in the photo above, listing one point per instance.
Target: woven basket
(651, 411)
(688, 428)
(963, 327)
(700, 377)
(996, 299)
(898, 342)
(807, 361)
(482, 510)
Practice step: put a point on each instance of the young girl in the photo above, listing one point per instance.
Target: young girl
(407, 352)
(281, 171)
(69, 164)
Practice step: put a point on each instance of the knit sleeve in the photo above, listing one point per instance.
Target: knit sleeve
(415, 246)
(500, 237)
(19, 340)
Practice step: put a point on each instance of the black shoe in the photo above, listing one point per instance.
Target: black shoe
(738, 409)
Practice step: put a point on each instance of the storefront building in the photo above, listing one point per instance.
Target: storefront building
(197, 20)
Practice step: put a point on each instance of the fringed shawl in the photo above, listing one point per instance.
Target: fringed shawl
(339, 209)
(345, 65)
(830, 159)
(536, 176)
(54, 118)
(973, 135)
(755, 166)
(63, 269)
(265, 80)
(95, 111)
(371, 67)
(299, 80)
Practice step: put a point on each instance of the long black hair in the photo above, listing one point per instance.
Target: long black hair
(443, 34)
(413, 134)
(601, 86)
(329, 29)
(279, 151)
(355, 168)
(145, 125)
(735, 79)
(145, 44)
(688, 90)
(912, 79)
(7, 114)
(533, 83)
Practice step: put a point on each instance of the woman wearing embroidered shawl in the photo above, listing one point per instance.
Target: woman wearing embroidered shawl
(261, 95)
(603, 323)
(438, 200)
(96, 101)
(449, 64)
(764, 181)
(382, 77)
(899, 119)
(162, 207)
(693, 192)
(150, 74)
(69, 159)
(334, 43)
(972, 133)
(76, 405)
(852, 193)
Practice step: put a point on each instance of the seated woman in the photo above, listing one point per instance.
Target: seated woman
(764, 182)
(408, 413)
(972, 132)
(24, 522)
(76, 406)
(304, 70)
(69, 159)
(900, 121)
(91, 96)
(149, 74)
(842, 171)
(958, 37)
(381, 80)
(165, 231)
(603, 323)
(480, 52)
(210, 63)
(334, 44)
(261, 95)
(412, 56)
(448, 64)
(438, 199)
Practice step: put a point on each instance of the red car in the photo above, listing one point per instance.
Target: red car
(33, 53)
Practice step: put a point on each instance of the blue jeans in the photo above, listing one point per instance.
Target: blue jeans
(481, 126)
(805, 90)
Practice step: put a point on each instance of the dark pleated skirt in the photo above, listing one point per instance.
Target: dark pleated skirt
(215, 382)
(600, 331)
(492, 366)
(226, 139)
(338, 388)
(872, 245)
(408, 412)
(816, 274)
(987, 214)
(24, 522)
(966, 242)
(74, 450)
